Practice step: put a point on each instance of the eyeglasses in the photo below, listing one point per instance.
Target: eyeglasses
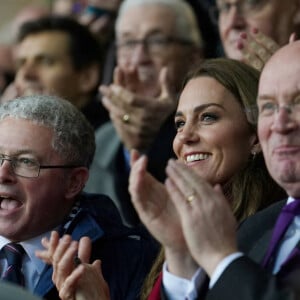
(268, 109)
(28, 167)
(245, 7)
(153, 44)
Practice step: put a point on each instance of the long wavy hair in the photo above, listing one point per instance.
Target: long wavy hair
(251, 188)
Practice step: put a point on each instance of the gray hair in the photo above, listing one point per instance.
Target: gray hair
(186, 22)
(73, 136)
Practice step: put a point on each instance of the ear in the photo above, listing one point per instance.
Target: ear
(255, 145)
(89, 78)
(76, 181)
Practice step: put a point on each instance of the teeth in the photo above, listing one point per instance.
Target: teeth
(195, 157)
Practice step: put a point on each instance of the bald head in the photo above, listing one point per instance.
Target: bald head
(279, 117)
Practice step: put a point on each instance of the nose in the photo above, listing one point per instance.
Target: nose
(188, 135)
(236, 18)
(6, 172)
(139, 55)
(27, 72)
(283, 121)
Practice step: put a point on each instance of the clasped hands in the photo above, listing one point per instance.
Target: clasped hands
(138, 113)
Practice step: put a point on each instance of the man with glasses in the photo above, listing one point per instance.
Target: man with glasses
(157, 42)
(46, 147)
(252, 30)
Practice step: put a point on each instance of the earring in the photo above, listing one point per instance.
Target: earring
(253, 154)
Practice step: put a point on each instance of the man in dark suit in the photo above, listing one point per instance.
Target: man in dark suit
(157, 42)
(263, 262)
(46, 147)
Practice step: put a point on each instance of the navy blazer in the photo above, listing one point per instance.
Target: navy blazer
(126, 254)
(245, 279)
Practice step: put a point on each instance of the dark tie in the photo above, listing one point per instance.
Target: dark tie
(285, 218)
(14, 254)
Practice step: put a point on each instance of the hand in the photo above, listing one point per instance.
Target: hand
(207, 221)
(86, 282)
(145, 114)
(257, 48)
(69, 279)
(159, 215)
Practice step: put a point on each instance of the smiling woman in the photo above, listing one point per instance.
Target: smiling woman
(216, 137)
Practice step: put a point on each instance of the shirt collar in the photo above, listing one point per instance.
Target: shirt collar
(30, 246)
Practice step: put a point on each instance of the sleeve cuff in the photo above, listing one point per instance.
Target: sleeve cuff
(222, 266)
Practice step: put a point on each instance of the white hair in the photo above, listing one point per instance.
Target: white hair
(186, 22)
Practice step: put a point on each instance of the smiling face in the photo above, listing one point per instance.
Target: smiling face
(213, 135)
(152, 22)
(279, 130)
(30, 206)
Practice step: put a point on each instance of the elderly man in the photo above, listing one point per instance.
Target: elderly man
(157, 42)
(46, 147)
(56, 55)
(271, 238)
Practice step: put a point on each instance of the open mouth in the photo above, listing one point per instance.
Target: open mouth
(196, 157)
(7, 203)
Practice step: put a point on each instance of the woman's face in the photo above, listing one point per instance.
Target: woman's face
(213, 135)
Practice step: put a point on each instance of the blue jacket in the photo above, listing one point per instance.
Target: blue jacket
(126, 254)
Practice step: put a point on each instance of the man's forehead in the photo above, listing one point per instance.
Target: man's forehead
(153, 17)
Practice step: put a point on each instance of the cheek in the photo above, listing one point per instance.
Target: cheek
(176, 145)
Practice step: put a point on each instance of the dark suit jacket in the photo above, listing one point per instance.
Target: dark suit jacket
(126, 254)
(244, 278)
(109, 173)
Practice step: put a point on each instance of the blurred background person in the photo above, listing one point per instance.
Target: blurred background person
(157, 42)
(253, 30)
(56, 55)
(8, 39)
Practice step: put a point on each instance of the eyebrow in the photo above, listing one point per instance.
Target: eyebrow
(200, 108)
(150, 33)
(264, 97)
(20, 152)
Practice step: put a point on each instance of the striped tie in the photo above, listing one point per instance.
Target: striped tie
(14, 254)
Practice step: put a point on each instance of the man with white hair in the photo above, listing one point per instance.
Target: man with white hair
(157, 42)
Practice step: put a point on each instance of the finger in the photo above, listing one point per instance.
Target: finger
(86, 18)
(266, 41)
(61, 247)
(134, 156)
(183, 177)
(50, 245)
(85, 249)
(177, 197)
(64, 264)
(252, 59)
(137, 174)
(118, 76)
(99, 24)
(293, 37)
(164, 84)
